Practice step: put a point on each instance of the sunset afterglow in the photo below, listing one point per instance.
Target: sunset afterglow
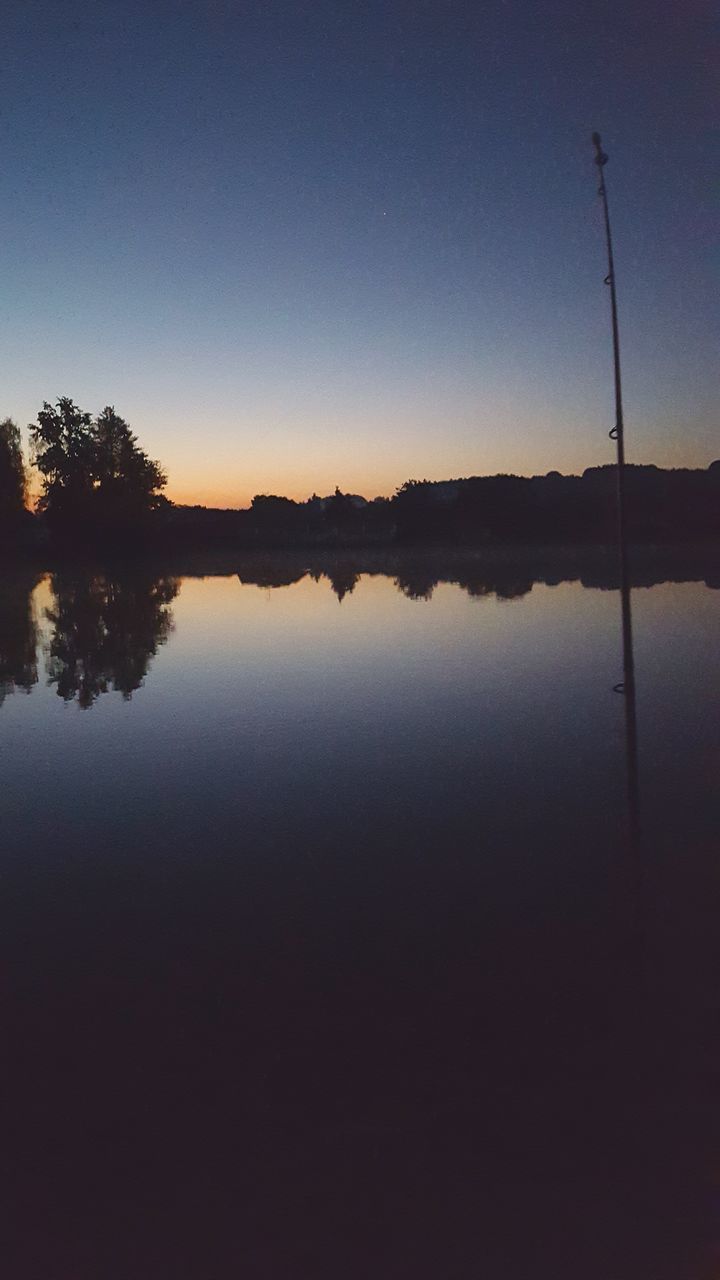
(284, 291)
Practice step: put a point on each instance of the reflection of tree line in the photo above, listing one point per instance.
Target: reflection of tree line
(285, 572)
(18, 634)
(504, 576)
(106, 628)
(414, 582)
(420, 585)
(105, 631)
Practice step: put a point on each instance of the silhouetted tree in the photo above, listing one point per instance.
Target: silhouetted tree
(270, 511)
(64, 454)
(12, 472)
(128, 482)
(340, 509)
(93, 471)
(106, 629)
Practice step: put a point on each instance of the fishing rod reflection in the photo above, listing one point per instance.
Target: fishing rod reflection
(627, 688)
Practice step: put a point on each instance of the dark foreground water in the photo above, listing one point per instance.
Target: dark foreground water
(325, 950)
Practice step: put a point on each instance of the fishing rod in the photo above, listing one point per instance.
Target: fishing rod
(627, 685)
(618, 431)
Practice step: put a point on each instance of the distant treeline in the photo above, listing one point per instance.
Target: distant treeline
(663, 506)
(99, 487)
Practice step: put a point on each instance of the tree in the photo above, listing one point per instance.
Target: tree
(340, 509)
(64, 453)
(128, 482)
(12, 471)
(93, 471)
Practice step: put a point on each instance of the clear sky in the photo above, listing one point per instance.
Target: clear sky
(302, 243)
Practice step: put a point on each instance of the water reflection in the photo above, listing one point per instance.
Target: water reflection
(503, 573)
(105, 627)
(627, 688)
(18, 634)
(105, 631)
(343, 581)
(414, 579)
(342, 915)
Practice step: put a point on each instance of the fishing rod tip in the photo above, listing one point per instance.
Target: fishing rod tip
(600, 157)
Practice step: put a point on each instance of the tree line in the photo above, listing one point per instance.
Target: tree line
(663, 506)
(96, 479)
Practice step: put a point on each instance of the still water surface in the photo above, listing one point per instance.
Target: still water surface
(326, 950)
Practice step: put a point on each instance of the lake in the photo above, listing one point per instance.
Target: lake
(333, 941)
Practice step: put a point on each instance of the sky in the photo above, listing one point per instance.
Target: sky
(308, 244)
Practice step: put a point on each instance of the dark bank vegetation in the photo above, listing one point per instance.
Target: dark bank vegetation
(663, 506)
(100, 490)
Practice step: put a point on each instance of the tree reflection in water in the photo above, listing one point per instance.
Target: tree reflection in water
(106, 626)
(343, 581)
(106, 629)
(18, 634)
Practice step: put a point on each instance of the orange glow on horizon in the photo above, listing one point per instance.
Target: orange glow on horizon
(205, 491)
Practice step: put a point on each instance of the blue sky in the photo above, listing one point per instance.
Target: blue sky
(300, 245)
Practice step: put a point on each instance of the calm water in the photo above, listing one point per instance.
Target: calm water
(326, 951)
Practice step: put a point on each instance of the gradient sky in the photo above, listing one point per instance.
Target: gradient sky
(331, 242)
